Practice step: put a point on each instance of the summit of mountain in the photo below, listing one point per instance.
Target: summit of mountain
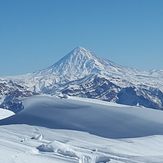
(79, 63)
(85, 74)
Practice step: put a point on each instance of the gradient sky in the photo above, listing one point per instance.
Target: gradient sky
(34, 34)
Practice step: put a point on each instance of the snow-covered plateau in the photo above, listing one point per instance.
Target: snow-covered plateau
(80, 130)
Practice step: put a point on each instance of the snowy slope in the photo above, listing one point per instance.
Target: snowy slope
(44, 132)
(83, 62)
(5, 113)
(75, 65)
(98, 119)
(80, 63)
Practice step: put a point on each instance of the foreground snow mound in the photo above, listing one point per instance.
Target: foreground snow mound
(68, 151)
(67, 146)
(57, 147)
(102, 119)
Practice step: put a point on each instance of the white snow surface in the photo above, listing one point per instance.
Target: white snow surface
(5, 113)
(98, 118)
(80, 63)
(80, 130)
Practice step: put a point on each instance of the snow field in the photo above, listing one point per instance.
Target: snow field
(110, 121)
(74, 147)
(81, 131)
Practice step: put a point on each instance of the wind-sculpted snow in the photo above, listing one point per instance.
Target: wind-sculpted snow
(69, 130)
(99, 119)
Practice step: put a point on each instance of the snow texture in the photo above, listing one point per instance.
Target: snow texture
(98, 119)
(5, 113)
(129, 134)
(80, 63)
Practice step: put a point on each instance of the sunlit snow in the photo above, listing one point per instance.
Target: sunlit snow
(77, 130)
(5, 113)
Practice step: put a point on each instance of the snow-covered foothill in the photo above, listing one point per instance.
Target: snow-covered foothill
(111, 121)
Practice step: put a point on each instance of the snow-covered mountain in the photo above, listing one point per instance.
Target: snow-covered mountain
(82, 73)
(9, 92)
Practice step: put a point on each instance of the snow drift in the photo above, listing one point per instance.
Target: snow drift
(5, 113)
(102, 119)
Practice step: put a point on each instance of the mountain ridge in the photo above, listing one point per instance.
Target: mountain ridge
(83, 73)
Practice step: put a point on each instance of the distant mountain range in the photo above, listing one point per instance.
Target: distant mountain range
(84, 74)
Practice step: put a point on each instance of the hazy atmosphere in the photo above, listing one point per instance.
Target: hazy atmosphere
(34, 34)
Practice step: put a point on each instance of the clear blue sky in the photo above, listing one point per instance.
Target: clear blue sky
(34, 34)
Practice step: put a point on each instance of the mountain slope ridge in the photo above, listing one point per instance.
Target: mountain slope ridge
(81, 62)
(85, 74)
